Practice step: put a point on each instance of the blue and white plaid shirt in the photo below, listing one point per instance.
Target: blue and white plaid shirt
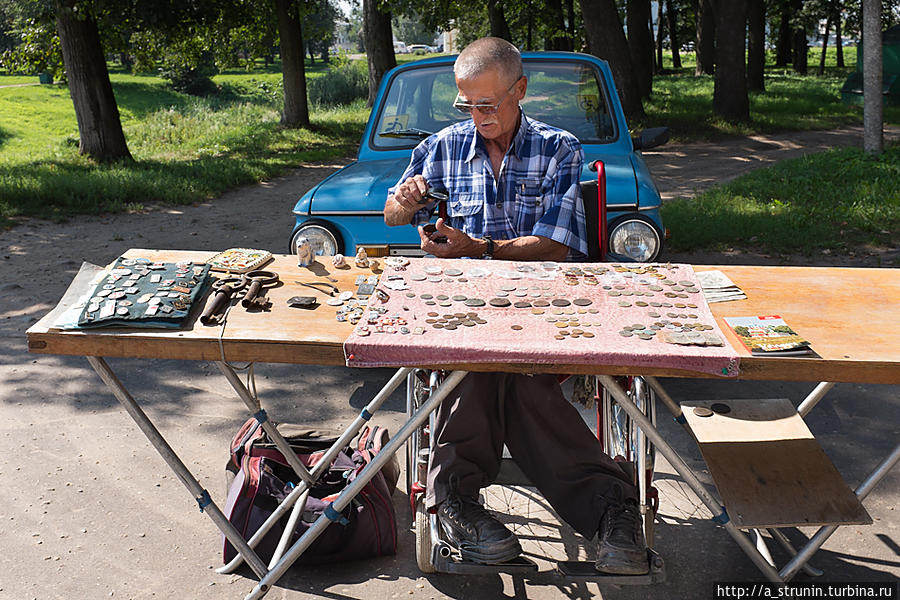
(537, 192)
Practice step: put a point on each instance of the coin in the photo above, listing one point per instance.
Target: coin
(537, 311)
(459, 298)
(522, 305)
(443, 297)
(475, 302)
(507, 287)
(720, 408)
(426, 296)
(560, 302)
(587, 334)
(559, 336)
(468, 323)
(417, 277)
(624, 303)
(582, 301)
(702, 411)
(561, 324)
(540, 303)
(499, 302)
(452, 272)
(515, 327)
(624, 333)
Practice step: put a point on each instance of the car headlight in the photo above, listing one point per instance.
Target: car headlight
(635, 238)
(322, 240)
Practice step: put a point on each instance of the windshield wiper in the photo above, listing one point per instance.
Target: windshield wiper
(407, 133)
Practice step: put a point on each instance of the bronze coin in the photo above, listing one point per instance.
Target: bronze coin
(582, 302)
(515, 327)
(560, 302)
(432, 314)
(522, 305)
(587, 334)
(499, 302)
(540, 303)
(702, 411)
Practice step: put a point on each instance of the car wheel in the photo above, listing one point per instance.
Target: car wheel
(324, 239)
(635, 237)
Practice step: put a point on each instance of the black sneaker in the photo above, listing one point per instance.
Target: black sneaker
(477, 535)
(622, 550)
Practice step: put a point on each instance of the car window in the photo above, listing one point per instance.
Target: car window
(571, 97)
(567, 95)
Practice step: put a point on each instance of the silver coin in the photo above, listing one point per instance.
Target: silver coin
(506, 287)
(433, 270)
(702, 411)
(418, 277)
(434, 279)
(453, 272)
(502, 294)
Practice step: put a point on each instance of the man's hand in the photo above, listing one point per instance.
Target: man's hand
(407, 199)
(456, 242)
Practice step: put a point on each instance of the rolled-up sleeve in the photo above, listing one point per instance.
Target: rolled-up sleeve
(563, 218)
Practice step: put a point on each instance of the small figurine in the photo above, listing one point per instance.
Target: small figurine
(304, 252)
(362, 259)
(339, 260)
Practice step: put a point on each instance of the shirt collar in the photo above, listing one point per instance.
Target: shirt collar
(517, 142)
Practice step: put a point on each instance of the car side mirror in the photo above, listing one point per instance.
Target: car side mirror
(651, 138)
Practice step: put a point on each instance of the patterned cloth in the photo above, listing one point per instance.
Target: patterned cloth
(537, 193)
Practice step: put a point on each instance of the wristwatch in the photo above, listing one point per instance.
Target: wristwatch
(489, 252)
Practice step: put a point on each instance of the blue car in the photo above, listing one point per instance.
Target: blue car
(571, 91)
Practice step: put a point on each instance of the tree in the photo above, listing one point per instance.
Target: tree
(497, 20)
(730, 99)
(640, 44)
(783, 41)
(99, 128)
(821, 70)
(873, 103)
(705, 45)
(799, 45)
(606, 39)
(756, 45)
(379, 40)
(320, 18)
(296, 107)
(672, 26)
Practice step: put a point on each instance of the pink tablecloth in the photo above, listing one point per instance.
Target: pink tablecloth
(603, 305)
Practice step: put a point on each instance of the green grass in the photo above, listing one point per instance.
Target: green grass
(840, 199)
(186, 149)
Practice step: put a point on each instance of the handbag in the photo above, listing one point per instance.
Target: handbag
(263, 479)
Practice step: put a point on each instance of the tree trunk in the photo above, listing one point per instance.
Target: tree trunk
(293, 67)
(499, 26)
(821, 70)
(672, 25)
(705, 46)
(529, 33)
(99, 128)
(783, 42)
(640, 44)
(799, 45)
(730, 99)
(606, 39)
(570, 30)
(873, 99)
(756, 45)
(838, 42)
(558, 21)
(379, 38)
(660, 34)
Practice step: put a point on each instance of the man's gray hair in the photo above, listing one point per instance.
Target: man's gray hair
(487, 53)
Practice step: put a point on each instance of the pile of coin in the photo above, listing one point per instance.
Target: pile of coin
(453, 321)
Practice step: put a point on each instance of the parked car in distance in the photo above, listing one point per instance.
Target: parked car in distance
(420, 49)
(400, 48)
(571, 91)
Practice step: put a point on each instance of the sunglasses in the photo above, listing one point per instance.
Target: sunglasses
(484, 108)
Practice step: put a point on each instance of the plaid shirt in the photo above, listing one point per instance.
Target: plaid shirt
(537, 192)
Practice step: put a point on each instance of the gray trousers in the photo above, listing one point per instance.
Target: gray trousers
(545, 436)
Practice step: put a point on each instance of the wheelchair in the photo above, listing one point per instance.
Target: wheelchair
(621, 439)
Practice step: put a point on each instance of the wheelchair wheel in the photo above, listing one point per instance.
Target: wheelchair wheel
(423, 539)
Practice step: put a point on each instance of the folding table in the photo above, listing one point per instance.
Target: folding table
(825, 304)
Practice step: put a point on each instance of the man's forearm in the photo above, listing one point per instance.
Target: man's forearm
(530, 247)
(395, 215)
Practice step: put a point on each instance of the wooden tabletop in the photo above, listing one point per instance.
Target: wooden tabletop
(849, 316)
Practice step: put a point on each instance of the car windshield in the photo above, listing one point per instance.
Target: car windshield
(567, 95)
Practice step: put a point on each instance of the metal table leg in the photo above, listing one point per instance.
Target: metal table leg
(361, 480)
(171, 458)
(719, 514)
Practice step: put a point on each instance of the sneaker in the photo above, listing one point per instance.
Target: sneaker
(622, 550)
(477, 535)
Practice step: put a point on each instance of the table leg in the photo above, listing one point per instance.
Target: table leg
(789, 570)
(323, 465)
(719, 514)
(361, 480)
(171, 458)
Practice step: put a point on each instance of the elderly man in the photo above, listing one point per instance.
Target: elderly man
(513, 195)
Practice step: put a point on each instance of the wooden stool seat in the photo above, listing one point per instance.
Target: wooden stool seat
(768, 467)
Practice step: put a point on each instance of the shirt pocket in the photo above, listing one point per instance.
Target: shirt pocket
(466, 211)
(528, 205)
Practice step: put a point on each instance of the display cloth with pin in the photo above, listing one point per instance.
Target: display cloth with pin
(457, 311)
(138, 292)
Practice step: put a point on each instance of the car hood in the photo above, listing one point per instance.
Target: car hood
(358, 187)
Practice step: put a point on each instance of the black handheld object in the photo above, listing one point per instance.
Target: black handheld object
(434, 196)
(430, 229)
